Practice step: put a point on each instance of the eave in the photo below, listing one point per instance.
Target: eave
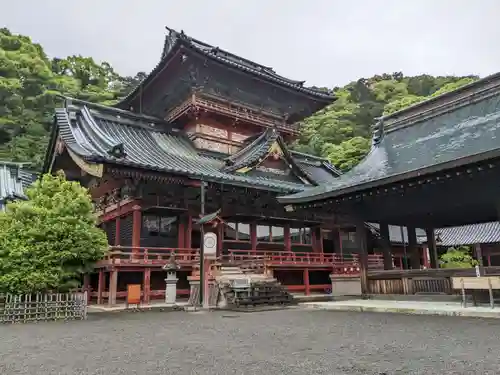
(180, 43)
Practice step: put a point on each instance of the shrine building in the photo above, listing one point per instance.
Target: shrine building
(207, 131)
(433, 165)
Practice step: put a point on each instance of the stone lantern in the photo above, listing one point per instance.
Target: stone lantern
(171, 281)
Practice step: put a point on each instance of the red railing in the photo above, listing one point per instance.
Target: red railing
(154, 255)
(342, 263)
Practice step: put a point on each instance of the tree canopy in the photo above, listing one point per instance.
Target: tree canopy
(342, 131)
(458, 257)
(48, 241)
(30, 82)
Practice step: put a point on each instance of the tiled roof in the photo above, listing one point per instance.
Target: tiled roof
(307, 168)
(101, 134)
(254, 151)
(469, 234)
(175, 38)
(13, 180)
(463, 126)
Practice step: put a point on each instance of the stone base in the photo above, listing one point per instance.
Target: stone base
(194, 292)
(345, 286)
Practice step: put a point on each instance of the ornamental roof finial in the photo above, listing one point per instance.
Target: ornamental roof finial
(378, 131)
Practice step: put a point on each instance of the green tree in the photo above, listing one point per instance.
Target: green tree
(347, 154)
(458, 257)
(30, 83)
(48, 241)
(342, 131)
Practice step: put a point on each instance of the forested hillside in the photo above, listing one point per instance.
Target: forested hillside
(342, 131)
(30, 83)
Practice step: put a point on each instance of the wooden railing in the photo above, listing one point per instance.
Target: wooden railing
(143, 255)
(429, 281)
(340, 263)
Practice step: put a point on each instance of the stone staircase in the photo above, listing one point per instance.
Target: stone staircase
(240, 288)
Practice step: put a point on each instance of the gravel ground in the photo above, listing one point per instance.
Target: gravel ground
(287, 342)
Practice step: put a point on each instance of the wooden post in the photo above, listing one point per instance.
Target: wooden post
(189, 232)
(100, 286)
(113, 285)
(146, 288)
(431, 243)
(253, 237)
(117, 231)
(288, 238)
(136, 228)
(413, 248)
(479, 254)
(307, 290)
(363, 255)
(385, 242)
(320, 241)
(181, 233)
(220, 242)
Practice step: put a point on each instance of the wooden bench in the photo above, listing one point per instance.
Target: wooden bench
(489, 283)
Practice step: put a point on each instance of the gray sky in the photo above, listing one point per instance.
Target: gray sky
(326, 42)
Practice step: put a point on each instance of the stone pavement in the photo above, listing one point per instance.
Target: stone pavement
(407, 307)
(292, 342)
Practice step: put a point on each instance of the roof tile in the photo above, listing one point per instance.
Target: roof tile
(471, 128)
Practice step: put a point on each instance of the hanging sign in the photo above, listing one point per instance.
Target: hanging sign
(210, 245)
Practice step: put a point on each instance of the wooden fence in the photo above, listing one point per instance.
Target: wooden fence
(430, 281)
(42, 307)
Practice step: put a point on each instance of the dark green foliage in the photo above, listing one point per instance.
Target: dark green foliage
(50, 240)
(30, 82)
(342, 131)
(29, 85)
(458, 257)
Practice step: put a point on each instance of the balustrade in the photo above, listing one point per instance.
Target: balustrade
(154, 255)
(344, 264)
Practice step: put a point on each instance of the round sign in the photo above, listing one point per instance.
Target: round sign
(210, 243)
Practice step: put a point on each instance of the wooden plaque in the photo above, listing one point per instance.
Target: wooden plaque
(133, 294)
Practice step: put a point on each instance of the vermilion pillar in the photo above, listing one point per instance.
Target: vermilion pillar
(136, 228)
(307, 289)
